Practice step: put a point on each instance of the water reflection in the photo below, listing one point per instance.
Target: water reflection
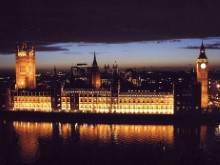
(52, 143)
(127, 133)
(217, 130)
(29, 133)
(65, 130)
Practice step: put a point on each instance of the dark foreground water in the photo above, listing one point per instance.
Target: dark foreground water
(73, 143)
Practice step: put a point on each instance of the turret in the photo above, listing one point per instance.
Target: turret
(95, 74)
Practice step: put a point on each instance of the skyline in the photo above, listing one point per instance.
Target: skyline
(169, 54)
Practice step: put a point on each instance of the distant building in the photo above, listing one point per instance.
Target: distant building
(55, 91)
(104, 101)
(5, 98)
(32, 101)
(95, 74)
(214, 92)
(187, 93)
(145, 102)
(80, 70)
(202, 76)
(187, 98)
(25, 66)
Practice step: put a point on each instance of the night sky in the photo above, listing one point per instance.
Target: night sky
(109, 25)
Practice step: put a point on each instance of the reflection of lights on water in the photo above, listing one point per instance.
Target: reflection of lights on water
(103, 132)
(29, 133)
(217, 130)
(59, 127)
(76, 126)
(114, 131)
(127, 133)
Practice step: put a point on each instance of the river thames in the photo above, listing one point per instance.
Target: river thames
(74, 143)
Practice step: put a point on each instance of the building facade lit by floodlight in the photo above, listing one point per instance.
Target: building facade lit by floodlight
(25, 66)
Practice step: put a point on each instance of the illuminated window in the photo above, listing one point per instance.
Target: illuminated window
(22, 68)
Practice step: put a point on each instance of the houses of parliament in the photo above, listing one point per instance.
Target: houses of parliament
(88, 90)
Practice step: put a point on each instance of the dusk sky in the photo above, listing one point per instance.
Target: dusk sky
(144, 33)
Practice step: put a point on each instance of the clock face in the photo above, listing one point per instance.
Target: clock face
(203, 65)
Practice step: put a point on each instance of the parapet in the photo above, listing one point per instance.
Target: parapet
(25, 49)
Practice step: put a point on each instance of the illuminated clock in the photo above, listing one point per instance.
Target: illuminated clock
(203, 65)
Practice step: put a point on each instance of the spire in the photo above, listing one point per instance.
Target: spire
(94, 64)
(202, 52)
(202, 46)
(55, 71)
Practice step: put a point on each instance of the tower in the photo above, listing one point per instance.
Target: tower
(115, 68)
(96, 80)
(202, 76)
(25, 66)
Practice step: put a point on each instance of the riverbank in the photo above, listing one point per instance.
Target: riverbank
(108, 118)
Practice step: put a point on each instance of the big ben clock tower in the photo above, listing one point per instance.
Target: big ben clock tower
(202, 76)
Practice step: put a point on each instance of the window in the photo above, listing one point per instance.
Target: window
(22, 69)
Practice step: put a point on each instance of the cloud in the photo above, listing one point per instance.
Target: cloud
(109, 21)
(215, 45)
(97, 53)
(50, 48)
(73, 53)
(176, 40)
(38, 47)
(86, 44)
